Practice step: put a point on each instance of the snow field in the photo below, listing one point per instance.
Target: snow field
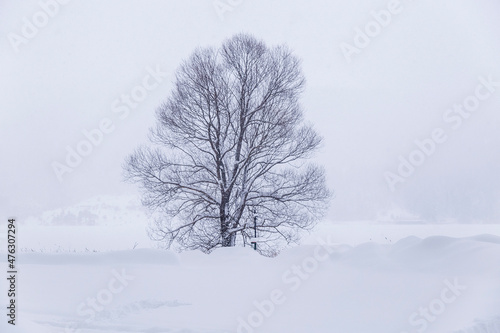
(437, 284)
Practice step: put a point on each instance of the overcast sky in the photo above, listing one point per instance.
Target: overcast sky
(383, 79)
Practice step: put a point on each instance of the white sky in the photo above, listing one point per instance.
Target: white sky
(396, 90)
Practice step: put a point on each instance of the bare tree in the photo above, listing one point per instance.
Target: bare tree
(229, 148)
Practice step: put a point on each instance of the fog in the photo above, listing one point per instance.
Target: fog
(409, 115)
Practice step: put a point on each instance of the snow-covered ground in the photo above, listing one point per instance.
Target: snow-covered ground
(336, 282)
(126, 236)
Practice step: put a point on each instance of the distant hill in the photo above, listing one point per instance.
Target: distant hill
(100, 210)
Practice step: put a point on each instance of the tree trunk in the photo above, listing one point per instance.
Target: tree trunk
(227, 238)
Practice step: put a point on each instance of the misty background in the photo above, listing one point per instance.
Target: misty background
(370, 110)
